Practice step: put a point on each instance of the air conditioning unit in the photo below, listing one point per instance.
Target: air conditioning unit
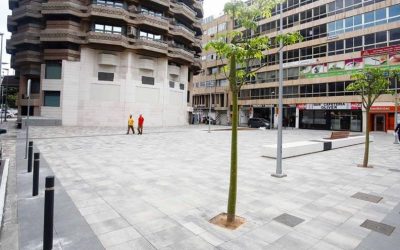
(131, 31)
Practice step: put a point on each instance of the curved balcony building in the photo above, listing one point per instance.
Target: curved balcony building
(118, 57)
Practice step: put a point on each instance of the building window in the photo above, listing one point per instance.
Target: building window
(51, 98)
(110, 3)
(150, 12)
(109, 29)
(147, 80)
(171, 84)
(104, 76)
(149, 36)
(182, 86)
(53, 70)
(35, 86)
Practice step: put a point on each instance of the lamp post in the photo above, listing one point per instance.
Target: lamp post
(28, 94)
(1, 65)
(279, 173)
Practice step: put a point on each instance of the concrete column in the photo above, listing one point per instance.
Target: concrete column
(297, 118)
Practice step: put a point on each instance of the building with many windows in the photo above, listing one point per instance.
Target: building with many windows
(94, 62)
(340, 37)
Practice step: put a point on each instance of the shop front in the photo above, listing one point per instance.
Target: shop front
(381, 117)
(270, 112)
(331, 116)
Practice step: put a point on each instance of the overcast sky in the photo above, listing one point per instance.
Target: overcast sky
(211, 7)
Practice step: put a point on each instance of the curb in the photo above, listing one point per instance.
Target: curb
(3, 186)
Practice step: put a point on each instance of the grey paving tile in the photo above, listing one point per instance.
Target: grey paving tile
(289, 220)
(168, 236)
(378, 227)
(118, 237)
(367, 197)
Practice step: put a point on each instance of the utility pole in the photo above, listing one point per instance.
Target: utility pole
(279, 173)
(396, 103)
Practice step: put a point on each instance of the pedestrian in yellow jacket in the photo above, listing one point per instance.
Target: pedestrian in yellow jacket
(130, 125)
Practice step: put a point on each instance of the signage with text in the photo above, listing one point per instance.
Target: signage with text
(330, 106)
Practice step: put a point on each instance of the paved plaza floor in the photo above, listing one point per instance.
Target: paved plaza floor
(158, 190)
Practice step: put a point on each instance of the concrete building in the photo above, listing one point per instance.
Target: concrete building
(95, 62)
(340, 37)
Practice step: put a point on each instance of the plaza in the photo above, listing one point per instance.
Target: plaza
(159, 190)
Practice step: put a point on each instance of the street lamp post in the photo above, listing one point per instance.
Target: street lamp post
(279, 173)
(28, 94)
(1, 65)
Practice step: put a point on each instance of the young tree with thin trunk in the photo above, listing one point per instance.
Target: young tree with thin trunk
(369, 83)
(242, 53)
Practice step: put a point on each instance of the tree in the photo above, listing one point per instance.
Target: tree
(242, 53)
(369, 83)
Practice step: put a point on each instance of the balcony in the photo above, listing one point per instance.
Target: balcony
(28, 56)
(30, 10)
(9, 47)
(24, 37)
(106, 38)
(110, 12)
(182, 31)
(197, 44)
(61, 35)
(11, 24)
(151, 45)
(164, 3)
(183, 9)
(196, 65)
(198, 6)
(181, 54)
(68, 8)
(152, 21)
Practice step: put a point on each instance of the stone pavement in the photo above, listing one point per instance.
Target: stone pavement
(158, 190)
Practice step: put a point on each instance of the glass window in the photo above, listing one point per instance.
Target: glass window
(348, 3)
(147, 80)
(381, 37)
(380, 14)
(104, 76)
(339, 45)
(357, 41)
(53, 70)
(369, 39)
(394, 11)
(394, 34)
(51, 98)
(369, 17)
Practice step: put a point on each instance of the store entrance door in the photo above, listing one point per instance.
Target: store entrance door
(379, 123)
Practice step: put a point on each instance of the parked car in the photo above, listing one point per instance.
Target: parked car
(258, 123)
(10, 114)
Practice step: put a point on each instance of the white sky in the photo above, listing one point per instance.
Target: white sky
(211, 7)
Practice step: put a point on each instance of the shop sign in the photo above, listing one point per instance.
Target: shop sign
(329, 106)
(300, 63)
(382, 109)
(385, 50)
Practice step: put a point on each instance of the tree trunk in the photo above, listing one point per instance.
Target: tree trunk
(366, 150)
(233, 175)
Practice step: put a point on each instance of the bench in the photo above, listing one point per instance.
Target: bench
(339, 135)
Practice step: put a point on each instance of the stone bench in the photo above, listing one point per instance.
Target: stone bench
(292, 149)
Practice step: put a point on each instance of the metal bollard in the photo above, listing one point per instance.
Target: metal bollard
(48, 214)
(30, 152)
(36, 164)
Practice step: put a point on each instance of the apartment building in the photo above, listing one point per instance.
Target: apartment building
(94, 62)
(211, 87)
(340, 37)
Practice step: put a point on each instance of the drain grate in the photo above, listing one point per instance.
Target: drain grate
(367, 197)
(394, 170)
(378, 227)
(288, 220)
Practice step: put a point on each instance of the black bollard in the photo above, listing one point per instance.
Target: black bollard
(30, 152)
(36, 164)
(48, 214)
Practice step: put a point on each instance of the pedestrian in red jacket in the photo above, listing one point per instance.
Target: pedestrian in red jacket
(140, 124)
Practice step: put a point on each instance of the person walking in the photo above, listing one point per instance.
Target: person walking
(130, 125)
(140, 124)
(397, 130)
